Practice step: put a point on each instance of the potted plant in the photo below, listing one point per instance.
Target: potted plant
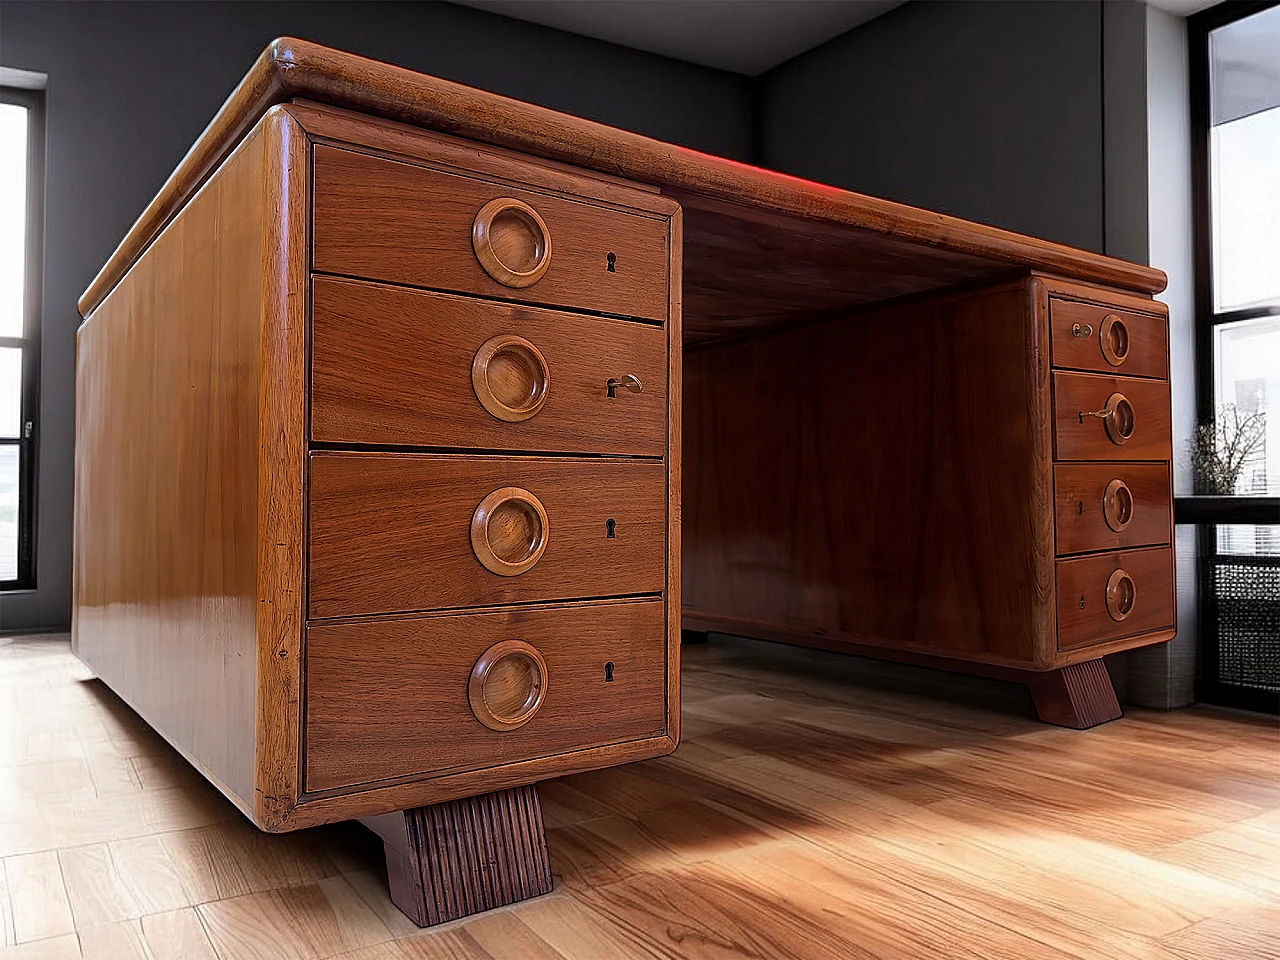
(1222, 447)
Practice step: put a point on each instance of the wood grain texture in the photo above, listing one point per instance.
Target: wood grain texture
(403, 223)
(387, 699)
(391, 533)
(1083, 617)
(1078, 696)
(165, 606)
(750, 268)
(1078, 498)
(282, 472)
(1086, 438)
(372, 344)
(470, 855)
(1146, 339)
(291, 68)
(933, 413)
(807, 788)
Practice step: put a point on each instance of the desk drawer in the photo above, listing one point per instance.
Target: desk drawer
(394, 698)
(388, 220)
(1089, 337)
(395, 533)
(1105, 506)
(1114, 595)
(1136, 424)
(397, 366)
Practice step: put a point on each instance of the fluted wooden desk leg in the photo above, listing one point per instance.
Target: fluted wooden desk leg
(1078, 696)
(454, 859)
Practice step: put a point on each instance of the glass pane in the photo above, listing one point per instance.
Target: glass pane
(13, 216)
(1247, 397)
(1249, 540)
(8, 511)
(10, 391)
(1246, 212)
(1244, 78)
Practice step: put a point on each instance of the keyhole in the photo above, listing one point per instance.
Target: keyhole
(612, 259)
(1082, 603)
(610, 526)
(1082, 506)
(608, 672)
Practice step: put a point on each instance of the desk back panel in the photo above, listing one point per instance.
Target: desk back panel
(882, 477)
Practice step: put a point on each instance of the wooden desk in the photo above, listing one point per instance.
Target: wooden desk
(379, 459)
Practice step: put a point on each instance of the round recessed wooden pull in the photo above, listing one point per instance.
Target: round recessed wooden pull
(1114, 339)
(510, 378)
(509, 531)
(507, 685)
(1120, 594)
(511, 242)
(1120, 418)
(1117, 505)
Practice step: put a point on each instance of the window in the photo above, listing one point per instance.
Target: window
(21, 219)
(1235, 76)
(1236, 49)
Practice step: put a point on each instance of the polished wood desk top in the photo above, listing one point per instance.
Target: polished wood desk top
(760, 247)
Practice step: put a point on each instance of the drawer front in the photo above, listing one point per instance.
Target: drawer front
(1114, 595)
(394, 698)
(1110, 418)
(397, 533)
(396, 366)
(387, 220)
(1089, 337)
(1105, 506)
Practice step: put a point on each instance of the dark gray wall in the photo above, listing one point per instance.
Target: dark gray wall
(131, 85)
(992, 111)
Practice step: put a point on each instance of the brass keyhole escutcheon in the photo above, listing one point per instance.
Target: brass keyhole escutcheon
(511, 242)
(510, 378)
(509, 531)
(507, 685)
(1117, 505)
(1113, 337)
(1121, 594)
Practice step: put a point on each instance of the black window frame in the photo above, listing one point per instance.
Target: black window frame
(1239, 509)
(29, 342)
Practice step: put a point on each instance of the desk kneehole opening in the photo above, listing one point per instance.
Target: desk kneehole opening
(510, 378)
(507, 685)
(509, 531)
(511, 242)
(1121, 594)
(1117, 505)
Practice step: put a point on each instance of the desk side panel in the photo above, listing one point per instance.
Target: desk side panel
(166, 504)
(880, 479)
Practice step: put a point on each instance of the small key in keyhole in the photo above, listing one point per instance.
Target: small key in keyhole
(608, 672)
(612, 260)
(610, 528)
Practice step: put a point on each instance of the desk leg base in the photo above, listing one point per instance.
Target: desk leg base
(1078, 696)
(469, 855)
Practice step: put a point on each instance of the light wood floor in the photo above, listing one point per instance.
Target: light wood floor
(808, 813)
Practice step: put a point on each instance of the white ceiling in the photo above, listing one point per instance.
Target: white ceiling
(1183, 8)
(745, 36)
